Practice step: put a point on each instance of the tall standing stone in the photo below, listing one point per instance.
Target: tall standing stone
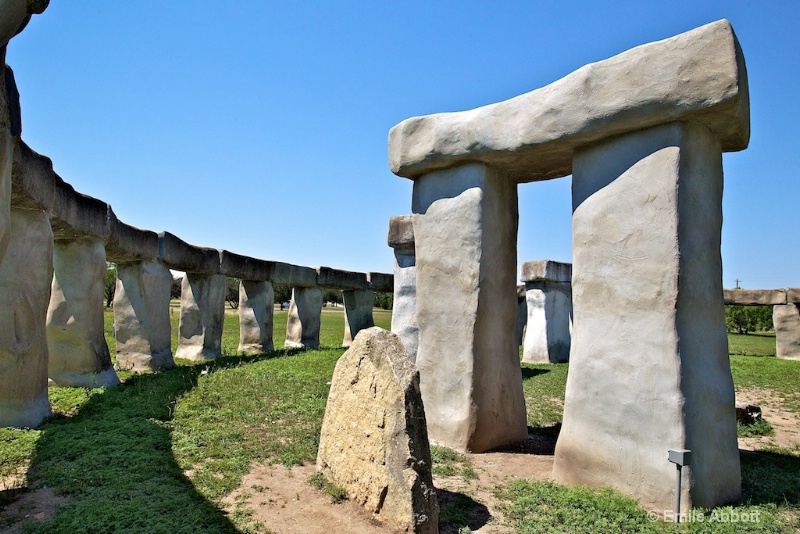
(303, 321)
(26, 272)
(202, 316)
(76, 340)
(256, 309)
(142, 326)
(467, 301)
(358, 306)
(786, 318)
(649, 368)
(404, 301)
(548, 295)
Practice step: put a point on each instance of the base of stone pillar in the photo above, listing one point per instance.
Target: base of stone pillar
(25, 414)
(196, 354)
(104, 379)
(139, 362)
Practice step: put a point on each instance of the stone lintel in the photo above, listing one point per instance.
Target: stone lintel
(338, 279)
(793, 295)
(177, 254)
(76, 215)
(127, 243)
(755, 297)
(401, 232)
(294, 275)
(33, 179)
(245, 267)
(546, 271)
(697, 76)
(381, 282)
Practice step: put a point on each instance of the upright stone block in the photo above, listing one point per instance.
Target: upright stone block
(649, 368)
(404, 302)
(26, 272)
(141, 316)
(786, 318)
(76, 339)
(358, 306)
(522, 315)
(548, 294)
(202, 316)
(466, 307)
(256, 308)
(302, 323)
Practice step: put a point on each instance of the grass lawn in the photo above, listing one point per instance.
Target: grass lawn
(159, 452)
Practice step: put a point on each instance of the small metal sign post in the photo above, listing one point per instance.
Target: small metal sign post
(679, 457)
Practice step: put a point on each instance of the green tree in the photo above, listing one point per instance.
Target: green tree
(384, 301)
(111, 283)
(283, 292)
(232, 292)
(332, 295)
(746, 319)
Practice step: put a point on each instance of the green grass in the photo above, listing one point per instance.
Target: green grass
(753, 344)
(759, 428)
(544, 386)
(449, 463)
(781, 377)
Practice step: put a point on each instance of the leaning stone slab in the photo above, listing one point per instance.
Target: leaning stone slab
(546, 271)
(76, 340)
(755, 297)
(294, 275)
(381, 282)
(26, 272)
(127, 243)
(256, 310)
(338, 279)
(357, 313)
(374, 440)
(202, 316)
(303, 320)
(404, 299)
(786, 318)
(177, 254)
(698, 76)
(245, 267)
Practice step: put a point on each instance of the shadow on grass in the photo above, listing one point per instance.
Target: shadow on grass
(458, 511)
(530, 372)
(770, 477)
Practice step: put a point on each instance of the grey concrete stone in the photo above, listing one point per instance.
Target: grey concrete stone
(649, 368)
(127, 243)
(358, 306)
(793, 295)
(26, 271)
(401, 232)
(373, 441)
(547, 331)
(294, 275)
(755, 297)
(381, 282)
(202, 316)
(786, 318)
(256, 308)
(76, 339)
(546, 271)
(75, 215)
(338, 279)
(33, 184)
(465, 228)
(404, 299)
(697, 76)
(302, 323)
(141, 316)
(245, 267)
(14, 109)
(177, 254)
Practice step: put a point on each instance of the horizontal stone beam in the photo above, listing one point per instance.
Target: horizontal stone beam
(245, 267)
(338, 279)
(793, 295)
(546, 271)
(33, 179)
(76, 215)
(177, 254)
(381, 282)
(755, 297)
(698, 76)
(294, 275)
(127, 243)
(401, 232)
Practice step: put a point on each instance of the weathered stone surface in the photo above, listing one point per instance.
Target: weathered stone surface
(697, 76)
(294, 275)
(755, 297)
(202, 316)
(127, 243)
(177, 254)
(546, 271)
(256, 308)
(374, 441)
(357, 313)
(14, 108)
(76, 339)
(649, 368)
(404, 299)
(381, 282)
(786, 318)
(549, 308)
(141, 316)
(792, 295)
(245, 267)
(7, 139)
(75, 215)
(26, 271)
(302, 323)
(15, 14)
(465, 228)
(338, 279)
(33, 184)
(401, 232)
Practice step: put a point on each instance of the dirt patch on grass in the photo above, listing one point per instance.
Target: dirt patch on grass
(38, 505)
(785, 423)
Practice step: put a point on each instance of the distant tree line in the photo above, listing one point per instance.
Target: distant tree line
(746, 319)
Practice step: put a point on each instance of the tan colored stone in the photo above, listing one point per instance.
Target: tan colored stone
(786, 318)
(374, 440)
(755, 297)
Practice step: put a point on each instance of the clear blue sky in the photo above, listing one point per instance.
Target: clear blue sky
(260, 127)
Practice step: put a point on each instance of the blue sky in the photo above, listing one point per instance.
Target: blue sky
(261, 127)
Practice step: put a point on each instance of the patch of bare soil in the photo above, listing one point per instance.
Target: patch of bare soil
(38, 505)
(785, 423)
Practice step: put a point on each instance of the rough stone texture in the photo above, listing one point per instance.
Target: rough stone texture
(7, 140)
(294, 275)
(546, 270)
(374, 441)
(256, 308)
(127, 243)
(404, 299)
(786, 318)
(338, 279)
(401, 232)
(358, 306)
(245, 267)
(649, 368)
(381, 282)
(177, 254)
(549, 308)
(33, 184)
(75, 215)
(15, 14)
(141, 316)
(302, 323)
(26, 272)
(76, 339)
(793, 295)
(202, 316)
(465, 228)
(755, 297)
(697, 76)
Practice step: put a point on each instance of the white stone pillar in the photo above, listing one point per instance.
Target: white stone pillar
(649, 368)
(465, 230)
(76, 339)
(142, 326)
(302, 323)
(256, 308)
(786, 318)
(358, 306)
(548, 294)
(202, 316)
(26, 271)
(404, 300)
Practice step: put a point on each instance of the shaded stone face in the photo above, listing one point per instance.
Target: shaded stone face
(547, 333)
(404, 303)
(786, 318)
(374, 442)
(26, 272)
(302, 323)
(357, 313)
(76, 340)
(256, 309)
(202, 315)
